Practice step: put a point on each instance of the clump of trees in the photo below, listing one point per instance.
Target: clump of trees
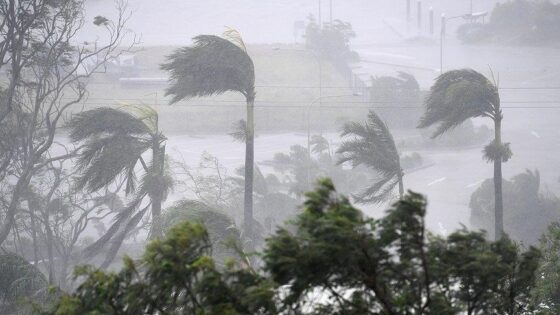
(336, 261)
(525, 22)
(330, 40)
(529, 210)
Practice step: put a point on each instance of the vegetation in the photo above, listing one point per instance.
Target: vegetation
(113, 144)
(372, 145)
(524, 22)
(20, 283)
(457, 96)
(529, 210)
(331, 41)
(215, 65)
(397, 99)
(337, 261)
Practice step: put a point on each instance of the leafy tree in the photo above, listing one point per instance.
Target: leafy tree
(457, 96)
(48, 73)
(332, 41)
(372, 145)
(390, 93)
(175, 275)
(114, 142)
(530, 211)
(214, 65)
(336, 261)
(547, 290)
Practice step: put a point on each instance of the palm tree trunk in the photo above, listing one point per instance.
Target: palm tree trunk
(498, 199)
(249, 166)
(158, 158)
(401, 186)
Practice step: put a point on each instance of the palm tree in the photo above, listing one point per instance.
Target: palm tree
(457, 96)
(114, 144)
(214, 65)
(20, 280)
(373, 145)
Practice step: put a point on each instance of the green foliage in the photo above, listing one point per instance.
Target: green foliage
(336, 261)
(391, 265)
(547, 291)
(457, 96)
(372, 145)
(528, 210)
(213, 65)
(175, 275)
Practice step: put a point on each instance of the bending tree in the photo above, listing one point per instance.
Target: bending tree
(373, 145)
(457, 96)
(114, 142)
(214, 65)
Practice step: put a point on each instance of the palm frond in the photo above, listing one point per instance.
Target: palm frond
(18, 279)
(120, 219)
(495, 152)
(104, 120)
(233, 36)
(319, 144)
(213, 65)
(457, 96)
(372, 145)
(379, 192)
(102, 160)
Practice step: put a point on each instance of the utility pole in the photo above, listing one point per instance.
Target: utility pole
(442, 35)
(431, 21)
(330, 12)
(407, 15)
(419, 16)
(320, 21)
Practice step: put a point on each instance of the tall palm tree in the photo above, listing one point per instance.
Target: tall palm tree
(115, 143)
(214, 65)
(372, 145)
(457, 96)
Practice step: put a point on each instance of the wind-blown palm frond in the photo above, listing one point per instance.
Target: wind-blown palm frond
(213, 65)
(102, 160)
(319, 144)
(19, 279)
(457, 96)
(373, 146)
(233, 36)
(104, 120)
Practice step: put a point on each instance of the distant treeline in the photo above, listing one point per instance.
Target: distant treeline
(517, 22)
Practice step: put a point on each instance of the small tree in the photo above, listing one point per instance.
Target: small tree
(372, 145)
(48, 75)
(114, 142)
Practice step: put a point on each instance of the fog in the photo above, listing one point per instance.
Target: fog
(113, 141)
